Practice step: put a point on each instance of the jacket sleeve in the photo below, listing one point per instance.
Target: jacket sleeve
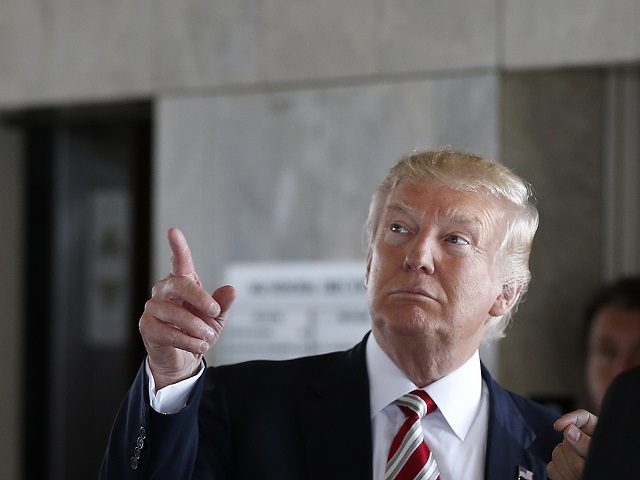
(145, 444)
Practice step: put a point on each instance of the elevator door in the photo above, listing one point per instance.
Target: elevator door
(88, 184)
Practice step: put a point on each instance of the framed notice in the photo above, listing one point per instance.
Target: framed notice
(286, 310)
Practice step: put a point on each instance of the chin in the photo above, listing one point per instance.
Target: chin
(411, 325)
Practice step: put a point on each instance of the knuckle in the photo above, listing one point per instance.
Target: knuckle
(576, 467)
(169, 285)
(175, 338)
(142, 324)
(173, 286)
(556, 452)
(148, 305)
(161, 287)
(192, 345)
(551, 469)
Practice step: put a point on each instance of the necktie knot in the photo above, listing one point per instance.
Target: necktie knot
(417, 402)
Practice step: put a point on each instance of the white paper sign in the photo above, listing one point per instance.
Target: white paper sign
(285, 310)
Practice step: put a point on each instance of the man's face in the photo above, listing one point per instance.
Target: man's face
(613, 347)
(432, 268)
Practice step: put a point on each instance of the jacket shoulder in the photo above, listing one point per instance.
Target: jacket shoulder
(272, 374)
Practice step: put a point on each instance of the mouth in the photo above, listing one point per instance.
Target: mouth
(414, 292)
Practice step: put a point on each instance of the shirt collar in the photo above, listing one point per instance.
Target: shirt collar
(457, 394)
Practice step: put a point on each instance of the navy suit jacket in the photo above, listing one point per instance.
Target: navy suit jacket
(307, 418)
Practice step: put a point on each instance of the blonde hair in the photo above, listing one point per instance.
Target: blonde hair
(467, 171)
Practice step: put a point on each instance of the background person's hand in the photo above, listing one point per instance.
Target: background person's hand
(181, 321)
(567, 460)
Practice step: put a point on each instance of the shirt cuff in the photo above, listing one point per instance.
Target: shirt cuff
(172, 398)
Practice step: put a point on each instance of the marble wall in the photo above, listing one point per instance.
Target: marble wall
(88, 50)
(553, 137)
(558, 33)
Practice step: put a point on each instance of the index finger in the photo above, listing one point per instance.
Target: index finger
(181, 261)
(582, 419)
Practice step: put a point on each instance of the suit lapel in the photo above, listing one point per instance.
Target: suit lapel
(508, 438)
(336, 421)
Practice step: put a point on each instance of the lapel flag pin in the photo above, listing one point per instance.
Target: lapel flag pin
(524, 474)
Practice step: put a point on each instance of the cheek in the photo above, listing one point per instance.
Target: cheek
(474, 291)
(593, 370)
(596, 380)
(375, 278)
(598, 370)
(382, 263)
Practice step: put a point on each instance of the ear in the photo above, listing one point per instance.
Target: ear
(506, 299)
(366, 275)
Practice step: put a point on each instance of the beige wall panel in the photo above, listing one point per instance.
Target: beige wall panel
(418, 35)
(570, 32)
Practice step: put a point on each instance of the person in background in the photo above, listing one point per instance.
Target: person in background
(612, 326)
(449, 235)
(612, 331)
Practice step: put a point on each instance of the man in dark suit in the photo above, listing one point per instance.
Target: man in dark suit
(449, 236)
(615, 445)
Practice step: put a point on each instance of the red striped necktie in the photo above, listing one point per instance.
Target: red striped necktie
(409, 456)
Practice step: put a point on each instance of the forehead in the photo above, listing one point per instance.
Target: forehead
(616, 319)
(420, 199)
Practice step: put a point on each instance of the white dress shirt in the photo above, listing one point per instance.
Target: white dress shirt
(456, 432)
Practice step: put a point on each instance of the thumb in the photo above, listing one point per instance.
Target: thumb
(578, 440)
(224, 296)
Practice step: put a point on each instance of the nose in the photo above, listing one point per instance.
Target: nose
(419, 255)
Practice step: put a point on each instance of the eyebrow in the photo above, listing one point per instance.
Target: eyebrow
(458, 216)
(455, 215)
(403, 208)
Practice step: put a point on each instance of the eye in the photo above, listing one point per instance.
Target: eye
(397, 228)
(605, 352)
(457, 240)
